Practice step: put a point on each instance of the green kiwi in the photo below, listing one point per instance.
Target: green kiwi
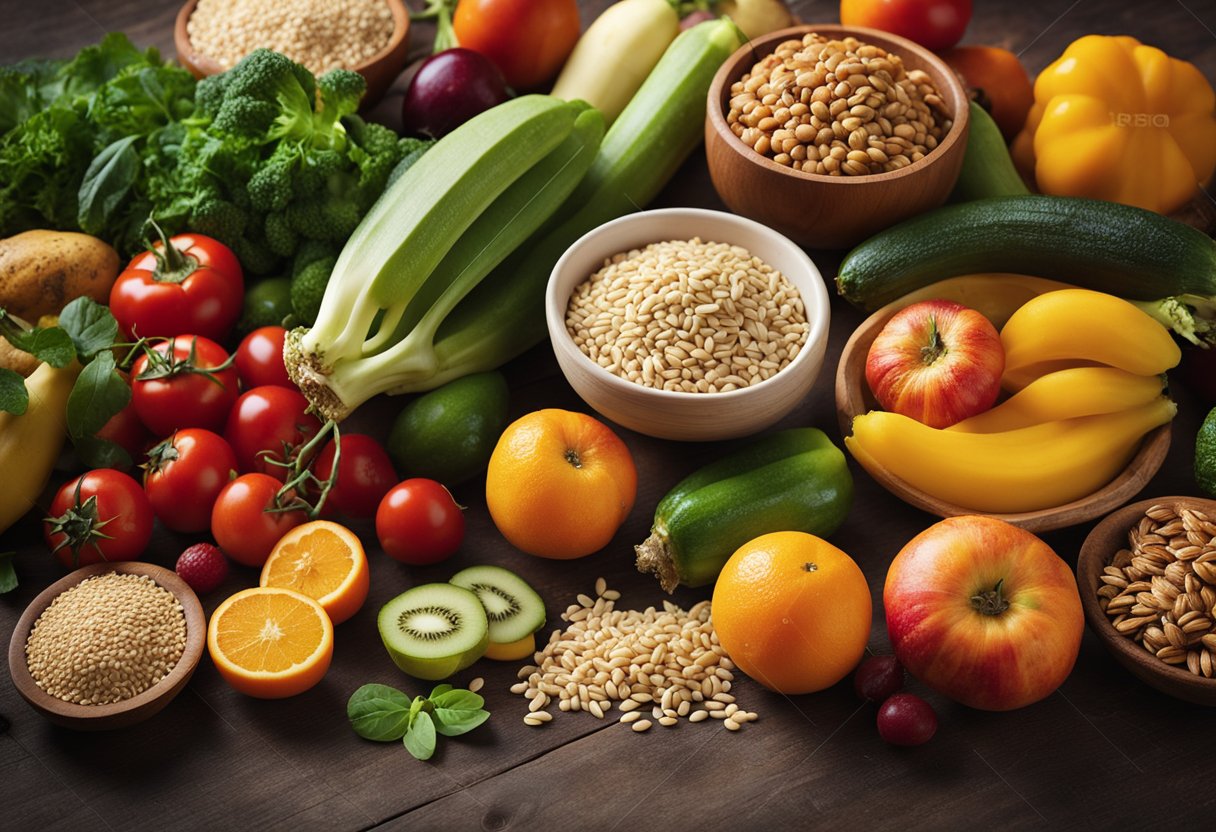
(434, 630)
(512, 606)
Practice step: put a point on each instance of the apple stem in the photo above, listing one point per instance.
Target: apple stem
(991, 602)
(935, 349)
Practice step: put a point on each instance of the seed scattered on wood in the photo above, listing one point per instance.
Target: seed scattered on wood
(477, 684)
(641, 725)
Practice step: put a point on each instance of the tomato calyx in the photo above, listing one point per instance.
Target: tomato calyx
(161, 454)
(167, 365)
(990, 602)
(172, 264)
(81, 525)
(303, 490)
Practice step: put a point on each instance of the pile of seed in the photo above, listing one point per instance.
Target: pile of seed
(1161, 591)
(669, 661)
(688, 316)
(320, 34)
(837, 107)
(106, 639)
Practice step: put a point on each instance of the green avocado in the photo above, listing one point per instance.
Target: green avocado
(1205, 455)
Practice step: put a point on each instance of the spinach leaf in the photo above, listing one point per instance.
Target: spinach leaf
(8, 576)
(106, 182)
(96, 452)
(420, 738)
(13, 397)
(90, 325)
(453, 723)
(99, 393)
(459, 700)
(379, 712)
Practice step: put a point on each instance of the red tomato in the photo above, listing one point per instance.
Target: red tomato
(189, 283)
(934, 24)
(102, 515)
(419, 523)
(529, 40)
(259, 358)
(365, 474)
(243, 522)
(185, 474)
(264, 423)
(184, 391)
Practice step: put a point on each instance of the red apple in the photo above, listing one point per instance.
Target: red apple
(983, 612)
(937, 362)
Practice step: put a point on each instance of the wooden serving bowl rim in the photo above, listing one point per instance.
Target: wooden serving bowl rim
(67, 713)
(1099, 548)
(754, 50)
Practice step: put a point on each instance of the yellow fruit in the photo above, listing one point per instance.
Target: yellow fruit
(513, 651)
(324, 561)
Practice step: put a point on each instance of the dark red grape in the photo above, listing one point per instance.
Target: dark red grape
(906, 719)
(450, 88)
(878, 677)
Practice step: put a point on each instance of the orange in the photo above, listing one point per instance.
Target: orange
(560, 484)
(792, 611)
(324, 561)
(270, 642)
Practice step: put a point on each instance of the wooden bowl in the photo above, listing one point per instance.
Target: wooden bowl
(853, 398)
(130, 711)
(692, 417)
(831, 211)
(1107, 538)
(380, 70)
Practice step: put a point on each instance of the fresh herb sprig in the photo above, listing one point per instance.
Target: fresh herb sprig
(385, 714)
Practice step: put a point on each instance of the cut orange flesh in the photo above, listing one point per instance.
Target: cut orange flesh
(324, 561)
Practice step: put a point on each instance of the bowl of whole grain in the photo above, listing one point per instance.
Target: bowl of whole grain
(107, 645)
(368, 36)
(688, 324)
(830, 134)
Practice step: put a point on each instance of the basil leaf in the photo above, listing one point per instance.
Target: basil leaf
(453, 723)
(458, 700)
(420, 738)
(379, 712)
(90, 326)
(106, 183)
(13, 396)
(8, 575)
(98, 394)
(439, 691)
(52, 345)
(96, 452)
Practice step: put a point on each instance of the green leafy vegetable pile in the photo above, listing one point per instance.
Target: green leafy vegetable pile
(385, 714)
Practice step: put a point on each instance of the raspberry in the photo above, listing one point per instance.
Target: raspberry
(202, 566)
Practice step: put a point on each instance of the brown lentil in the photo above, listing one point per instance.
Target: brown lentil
(107, 639)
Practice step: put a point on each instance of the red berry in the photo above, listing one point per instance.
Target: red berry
(202, 566)
(906, 719)
(878, 677)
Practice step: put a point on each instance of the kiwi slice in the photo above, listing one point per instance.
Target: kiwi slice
(514, 609)
(434, 630)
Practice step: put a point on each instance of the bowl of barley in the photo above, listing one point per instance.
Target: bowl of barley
(688, 324)
(108, 645)
(368, 36)
(830, 134)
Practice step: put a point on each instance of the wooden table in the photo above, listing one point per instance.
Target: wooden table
(1105, 751)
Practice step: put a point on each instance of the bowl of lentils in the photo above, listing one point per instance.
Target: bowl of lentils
(688, 324)
(108, 645)
(830, 134)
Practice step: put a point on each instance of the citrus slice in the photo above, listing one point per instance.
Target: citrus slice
(324, 561)
(270, 642)
(512, 651)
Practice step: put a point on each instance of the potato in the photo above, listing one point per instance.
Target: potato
(43, 271)
(16, 360)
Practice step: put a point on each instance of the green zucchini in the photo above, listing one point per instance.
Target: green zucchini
(987, 166)
(1104, 246)
(791, 480)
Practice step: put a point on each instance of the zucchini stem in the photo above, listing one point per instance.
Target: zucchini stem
(654, 555)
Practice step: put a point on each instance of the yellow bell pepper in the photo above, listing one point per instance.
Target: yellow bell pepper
(1117, 120)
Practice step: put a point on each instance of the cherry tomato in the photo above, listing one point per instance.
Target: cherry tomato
(183, 387)
(241, 523)
(259, 359)
(102, 515)
(419, 523)
(528, 39)
(934, 24)
(189, 283)
(266, 421)
(365, 474)
(185, 474)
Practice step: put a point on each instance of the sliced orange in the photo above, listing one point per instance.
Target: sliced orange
(270, 642)
(326, 562)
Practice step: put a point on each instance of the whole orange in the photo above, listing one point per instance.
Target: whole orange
(560, 484)
(792, 611)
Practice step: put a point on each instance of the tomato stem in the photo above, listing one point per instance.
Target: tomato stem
(302, 480)
(172, 264)
(991, 602)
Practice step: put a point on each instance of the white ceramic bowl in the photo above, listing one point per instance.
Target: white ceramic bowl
(688, 416)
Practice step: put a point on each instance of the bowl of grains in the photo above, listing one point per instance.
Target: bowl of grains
(108, 645)
(830, 134)
(1147, 576)
(368, 36)
(688, 324)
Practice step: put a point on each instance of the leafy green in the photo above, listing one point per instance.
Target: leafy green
(8, 576)
(50, 344)
(385, 714)
(106, 182)
(99, 393)
(90, 326)
(420, 737)
(378, 712)
(13, 397)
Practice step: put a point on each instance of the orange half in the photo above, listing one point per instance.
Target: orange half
(326, 562)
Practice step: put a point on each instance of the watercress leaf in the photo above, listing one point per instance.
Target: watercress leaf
(99, 393)
(106, 182)
(452, 723)
(420, 738)
(90, 326)
(379, 712)
(458, 700)
(51, 345)
(439, 691)
(8, 575)
(13, 396)
(96, 452)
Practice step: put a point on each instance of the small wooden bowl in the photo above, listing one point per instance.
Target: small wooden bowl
(130, 711)
(853, 398)
(380, 70)
(1107, 538)
(831, 211)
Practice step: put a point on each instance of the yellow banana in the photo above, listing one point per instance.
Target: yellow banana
(995, 296)
(1027, 469)
(1066, 394)
(30, 443)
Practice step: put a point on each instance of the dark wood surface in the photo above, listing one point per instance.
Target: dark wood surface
(1105, 751)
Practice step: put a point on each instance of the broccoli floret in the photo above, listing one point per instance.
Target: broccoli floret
(209, 95)
(308, 287)
(343, 217)
(220, 219)
(255, 256)
(341, 90)
(266, 98)
(270, 189)
(279, 236)
(308, 220)
(311, 251)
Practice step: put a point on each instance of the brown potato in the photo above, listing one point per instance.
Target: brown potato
(16, 360)
(43, 271)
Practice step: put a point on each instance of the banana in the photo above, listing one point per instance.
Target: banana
(1066, 394)
(1028, 469)
(995, 296)
(30, 443)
